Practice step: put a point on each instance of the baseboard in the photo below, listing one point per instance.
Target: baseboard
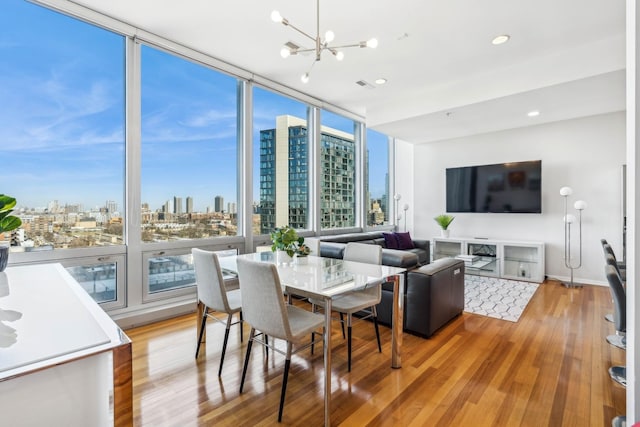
(578, 280)
(148, 315)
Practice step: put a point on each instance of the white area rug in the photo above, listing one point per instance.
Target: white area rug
(499, 298)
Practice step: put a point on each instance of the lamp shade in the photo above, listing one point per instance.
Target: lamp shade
(566, 191)
(405, 207)
(569, 219)
(580, 205)
(397, 196)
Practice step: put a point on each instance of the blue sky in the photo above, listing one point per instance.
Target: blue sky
(63, 98)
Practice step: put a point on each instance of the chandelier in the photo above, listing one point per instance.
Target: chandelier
(321, 44)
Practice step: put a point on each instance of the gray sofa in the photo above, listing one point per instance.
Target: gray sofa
(434, 293)
(333, 247)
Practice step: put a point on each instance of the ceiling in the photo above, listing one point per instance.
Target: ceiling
(445, 78)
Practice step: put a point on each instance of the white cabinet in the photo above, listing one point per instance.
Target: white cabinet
(497, 258)
(63, 361)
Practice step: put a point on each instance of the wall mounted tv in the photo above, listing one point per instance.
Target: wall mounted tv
(505, 187)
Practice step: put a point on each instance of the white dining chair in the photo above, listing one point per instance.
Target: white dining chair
(314, 244)
(214, 296)
(363, 300)
(265, 310)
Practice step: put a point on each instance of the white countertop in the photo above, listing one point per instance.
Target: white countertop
(46, 318)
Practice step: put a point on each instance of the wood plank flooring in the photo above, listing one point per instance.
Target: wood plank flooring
(549, 369)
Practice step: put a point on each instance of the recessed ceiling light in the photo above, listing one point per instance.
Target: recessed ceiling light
(533, 113)
(501, 39)
(381, 81)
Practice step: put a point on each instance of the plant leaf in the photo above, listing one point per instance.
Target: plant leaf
(6, 203)
(10, 223)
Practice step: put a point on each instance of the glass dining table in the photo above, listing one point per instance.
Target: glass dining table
(328, 279)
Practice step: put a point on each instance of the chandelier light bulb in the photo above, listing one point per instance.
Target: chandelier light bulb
(405, 207)
(285, 52)
(580, 205)
(329, 36)
(566, 191)
(397, 196)
(276, 17)
(569, 219)
(321, 42)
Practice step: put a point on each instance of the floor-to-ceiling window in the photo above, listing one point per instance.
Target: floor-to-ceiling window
(189, 151)
(376, 179)
(62, 142)
(337, 171)
(70, 147)
(280, 162)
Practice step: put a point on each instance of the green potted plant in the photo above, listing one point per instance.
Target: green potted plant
(286, 239)
(8, 222)
(444, 221)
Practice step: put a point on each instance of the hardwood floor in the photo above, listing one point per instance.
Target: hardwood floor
(550, 368)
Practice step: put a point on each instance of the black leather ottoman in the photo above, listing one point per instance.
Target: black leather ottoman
(434, 295)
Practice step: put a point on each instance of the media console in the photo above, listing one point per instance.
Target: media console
(516, 260)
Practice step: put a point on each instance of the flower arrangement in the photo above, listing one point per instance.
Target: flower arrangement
(287, 239)
(303, 250)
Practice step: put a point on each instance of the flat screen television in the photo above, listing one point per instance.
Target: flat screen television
(504, 187)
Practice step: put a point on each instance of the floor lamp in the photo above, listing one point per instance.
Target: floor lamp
(405, 208)
(397, 198)
(569, 219)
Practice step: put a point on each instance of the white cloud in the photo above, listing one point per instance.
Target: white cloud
(210, 117)
(59, 111)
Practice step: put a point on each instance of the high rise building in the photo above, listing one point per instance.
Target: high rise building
(385, 199)
(365, 184)
(53, 206)
(284, 176)
(111, 206)
(219, 204)
(177, 205)
(189, 204)
(231, 208)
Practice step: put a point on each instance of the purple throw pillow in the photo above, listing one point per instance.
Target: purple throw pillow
(390, 240)
(404, 241)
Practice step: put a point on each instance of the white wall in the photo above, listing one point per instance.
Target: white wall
(586, 154)
(404, 182)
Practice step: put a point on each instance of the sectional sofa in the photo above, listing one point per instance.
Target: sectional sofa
(409, 258)
(434, 292)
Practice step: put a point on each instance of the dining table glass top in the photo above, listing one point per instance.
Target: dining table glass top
(317, 275)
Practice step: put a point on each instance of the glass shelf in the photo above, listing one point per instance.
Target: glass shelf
(485, 266)
(497, 258)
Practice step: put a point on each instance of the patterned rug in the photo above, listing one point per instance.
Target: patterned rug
(499, 298)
